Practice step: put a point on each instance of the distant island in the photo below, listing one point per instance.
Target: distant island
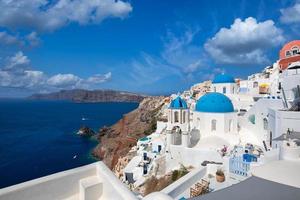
(90, 96)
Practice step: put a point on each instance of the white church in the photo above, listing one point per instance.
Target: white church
(214, 115)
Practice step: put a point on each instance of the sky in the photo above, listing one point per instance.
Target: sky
(146, 46)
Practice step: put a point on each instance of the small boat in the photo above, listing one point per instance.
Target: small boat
(84, 119)
(75, 156)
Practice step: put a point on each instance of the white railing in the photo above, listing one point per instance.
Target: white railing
(238, 166)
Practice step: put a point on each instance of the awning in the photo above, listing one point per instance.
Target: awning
(285, 136)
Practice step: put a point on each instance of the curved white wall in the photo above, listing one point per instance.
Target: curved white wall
(231, 88)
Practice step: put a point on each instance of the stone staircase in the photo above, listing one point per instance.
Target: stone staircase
(90, 188)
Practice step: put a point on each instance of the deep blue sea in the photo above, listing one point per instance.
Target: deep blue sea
(38, 138)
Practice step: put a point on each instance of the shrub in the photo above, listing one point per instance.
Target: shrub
(219, 172)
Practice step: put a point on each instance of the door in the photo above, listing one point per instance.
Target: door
(159, 148)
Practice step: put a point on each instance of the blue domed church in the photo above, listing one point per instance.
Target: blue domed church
(213, 116)
(178, 122)
(225, 84)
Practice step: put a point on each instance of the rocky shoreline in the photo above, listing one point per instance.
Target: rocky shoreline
(85, 131)
(116, 141)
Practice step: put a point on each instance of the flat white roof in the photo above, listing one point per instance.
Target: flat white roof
(281, 171)
(254, 188)
(133, 163)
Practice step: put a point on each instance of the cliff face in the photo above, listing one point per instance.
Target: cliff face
(117, 140)
(90, 96)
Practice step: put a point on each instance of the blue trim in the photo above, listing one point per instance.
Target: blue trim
(223, 78)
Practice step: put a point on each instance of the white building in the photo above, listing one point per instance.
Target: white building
(224, 83)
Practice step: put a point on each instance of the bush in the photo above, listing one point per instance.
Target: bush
(153, 184)
(220, 172)
(177, 174)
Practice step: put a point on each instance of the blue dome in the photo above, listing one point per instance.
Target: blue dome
(178, 103)
(223, 78)
(214, 102)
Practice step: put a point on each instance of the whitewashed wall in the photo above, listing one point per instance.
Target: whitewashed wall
(222, 125)
(281, 121)
(193, 156)
(65, 184)
(231, 88)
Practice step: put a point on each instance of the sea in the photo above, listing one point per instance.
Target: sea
(38, 138)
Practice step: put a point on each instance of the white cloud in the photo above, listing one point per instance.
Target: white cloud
(180, 52)
(18, 61)
(46, 15)
(30, 40)
(180, 58)
(7, 39)
(63, 80)
(33, 39)
(149, 69)
(245, 42)
(17, 73)
(99, 78)
(290, 15)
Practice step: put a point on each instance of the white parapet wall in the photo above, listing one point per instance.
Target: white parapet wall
(94, 181)
(193, 156)
(179, 188)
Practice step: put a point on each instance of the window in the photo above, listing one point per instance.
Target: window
(265, 121)
(183, 117)
(271, 138)
(279, 86)
(255, 84)
(215, 89)
(224, 90)
(251, 119)
(213, 125)
(230, 125)
(295, 50)
(176, 117)
(287, 53)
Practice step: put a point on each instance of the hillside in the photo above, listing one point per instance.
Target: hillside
(116, 141)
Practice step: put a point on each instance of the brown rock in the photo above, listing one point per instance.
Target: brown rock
(117, 140)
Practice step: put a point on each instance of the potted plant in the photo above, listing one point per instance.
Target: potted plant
(220, 176)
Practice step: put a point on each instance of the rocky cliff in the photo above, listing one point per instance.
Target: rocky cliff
(116, 141)
(79, 95)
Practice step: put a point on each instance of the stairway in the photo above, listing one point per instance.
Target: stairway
(90, 188)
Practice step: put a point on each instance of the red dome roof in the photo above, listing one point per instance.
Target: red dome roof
(288, 47)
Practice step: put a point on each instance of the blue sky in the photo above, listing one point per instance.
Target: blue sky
(152, 47)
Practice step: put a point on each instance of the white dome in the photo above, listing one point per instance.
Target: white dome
(157, 196)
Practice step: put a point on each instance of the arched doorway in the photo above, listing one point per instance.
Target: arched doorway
(177, 135)
(224, 90)
(213, 125)
(195, 137)
(265, 122)
(230, 125)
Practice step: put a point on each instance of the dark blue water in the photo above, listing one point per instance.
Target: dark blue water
(38, 138)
